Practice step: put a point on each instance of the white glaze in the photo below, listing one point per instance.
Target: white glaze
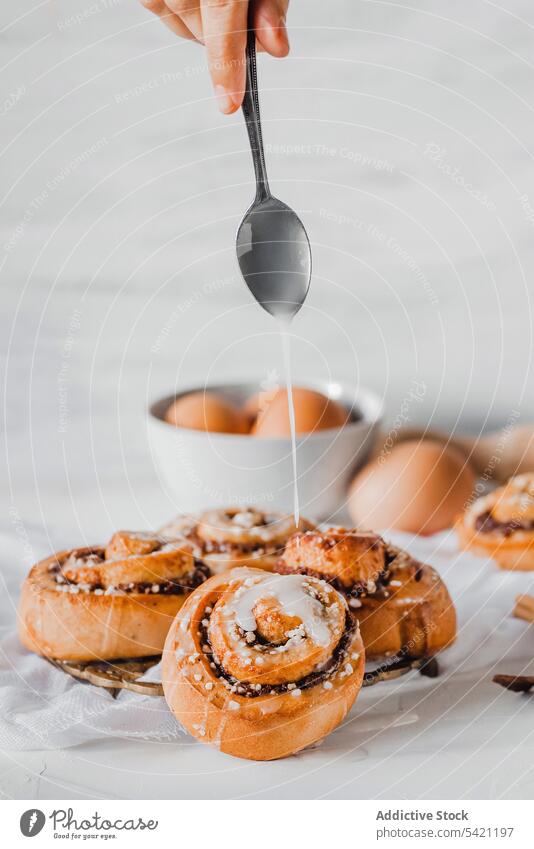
(290, 591)
(245, 519)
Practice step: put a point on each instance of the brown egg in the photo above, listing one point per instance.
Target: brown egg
(420, 487)
(206, 411)
(254, 405)
(313, 411)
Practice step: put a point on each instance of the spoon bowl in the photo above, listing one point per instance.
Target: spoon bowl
(274, 256)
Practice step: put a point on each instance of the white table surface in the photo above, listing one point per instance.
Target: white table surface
(403, 133)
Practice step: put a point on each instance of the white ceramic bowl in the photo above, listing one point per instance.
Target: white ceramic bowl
(204, 470)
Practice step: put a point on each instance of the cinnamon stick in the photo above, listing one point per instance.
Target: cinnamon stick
(524, 608)
(516, 683)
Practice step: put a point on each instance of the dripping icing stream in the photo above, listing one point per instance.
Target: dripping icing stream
(283, 324)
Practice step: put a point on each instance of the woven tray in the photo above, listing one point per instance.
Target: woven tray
(120, 675)
(115, 675)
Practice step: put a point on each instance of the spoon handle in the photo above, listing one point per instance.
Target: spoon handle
(251, 111)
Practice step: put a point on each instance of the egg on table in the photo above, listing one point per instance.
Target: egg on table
(207, 411)
(419, 487)
(313, 412)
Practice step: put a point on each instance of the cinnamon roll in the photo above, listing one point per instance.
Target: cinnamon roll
(354, 562)
(238, 536)
(107, 603)
(412, 615)
(402, 605)
(262, 665)
(501, 525)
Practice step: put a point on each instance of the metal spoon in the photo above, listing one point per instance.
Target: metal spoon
(272, 245)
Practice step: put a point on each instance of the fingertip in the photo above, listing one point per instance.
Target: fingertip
(282, 49)
(278, 51)
(236, 104)
(227, 101)
(273, 37)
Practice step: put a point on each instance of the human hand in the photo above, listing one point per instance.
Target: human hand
(221, 25)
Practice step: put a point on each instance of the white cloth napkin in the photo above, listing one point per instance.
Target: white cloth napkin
(43, 708)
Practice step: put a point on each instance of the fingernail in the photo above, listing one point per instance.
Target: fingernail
(271, 25)
(224, 101)
(282, 31)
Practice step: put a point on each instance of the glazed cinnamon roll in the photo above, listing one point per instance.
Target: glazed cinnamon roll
(501, 525)
(107, 603)
(224, 539)
(262, 665)
(402, 605)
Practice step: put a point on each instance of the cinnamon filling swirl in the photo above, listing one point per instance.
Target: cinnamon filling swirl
(282, 634)
(355, 591)
(228, 547)
(185, 584)
(340, 657)
(131, 563)
(486, 523)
